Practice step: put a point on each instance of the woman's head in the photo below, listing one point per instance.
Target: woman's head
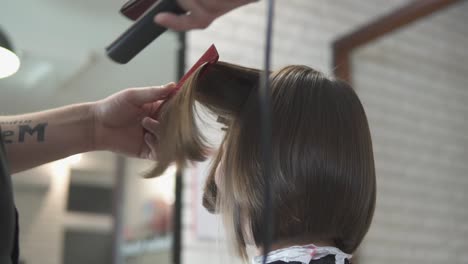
(323, 179)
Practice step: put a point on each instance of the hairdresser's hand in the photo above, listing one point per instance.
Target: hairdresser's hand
(121, 121)
(201, 13)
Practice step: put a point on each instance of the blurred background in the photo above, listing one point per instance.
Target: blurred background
(406, 59)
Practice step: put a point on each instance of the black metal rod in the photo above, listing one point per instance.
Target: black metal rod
(118, 210)
(141, 33)
(177, 240)
(266, 132)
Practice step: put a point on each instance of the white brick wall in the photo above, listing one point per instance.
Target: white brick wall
(413, 86)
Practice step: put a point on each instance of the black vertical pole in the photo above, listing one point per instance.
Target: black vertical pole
(118, 212)
(266, 133)
(177, 241)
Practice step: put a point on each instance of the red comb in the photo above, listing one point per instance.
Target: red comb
(210, 57)
(133, 9)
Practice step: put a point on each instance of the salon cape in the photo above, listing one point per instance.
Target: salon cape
(303, 254)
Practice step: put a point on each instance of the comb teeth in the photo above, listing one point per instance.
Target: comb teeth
(211, 56)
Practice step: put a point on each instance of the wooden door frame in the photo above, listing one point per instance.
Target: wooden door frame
(344, 46)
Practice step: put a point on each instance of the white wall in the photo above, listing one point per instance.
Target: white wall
(413, 86)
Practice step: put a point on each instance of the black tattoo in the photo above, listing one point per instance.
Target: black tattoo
(23, 131)
(40, 129)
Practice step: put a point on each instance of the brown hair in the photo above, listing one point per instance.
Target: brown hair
(323, 177)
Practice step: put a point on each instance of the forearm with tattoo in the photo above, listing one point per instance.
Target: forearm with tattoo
(19, 131)
(37, 138)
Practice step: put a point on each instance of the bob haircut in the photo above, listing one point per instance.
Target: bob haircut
(323, 177)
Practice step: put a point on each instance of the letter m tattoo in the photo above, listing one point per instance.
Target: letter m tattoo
(39, 129)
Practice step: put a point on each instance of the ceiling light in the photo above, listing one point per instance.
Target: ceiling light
(9, 61)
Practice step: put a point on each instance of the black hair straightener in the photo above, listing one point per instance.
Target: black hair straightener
(143, 31)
